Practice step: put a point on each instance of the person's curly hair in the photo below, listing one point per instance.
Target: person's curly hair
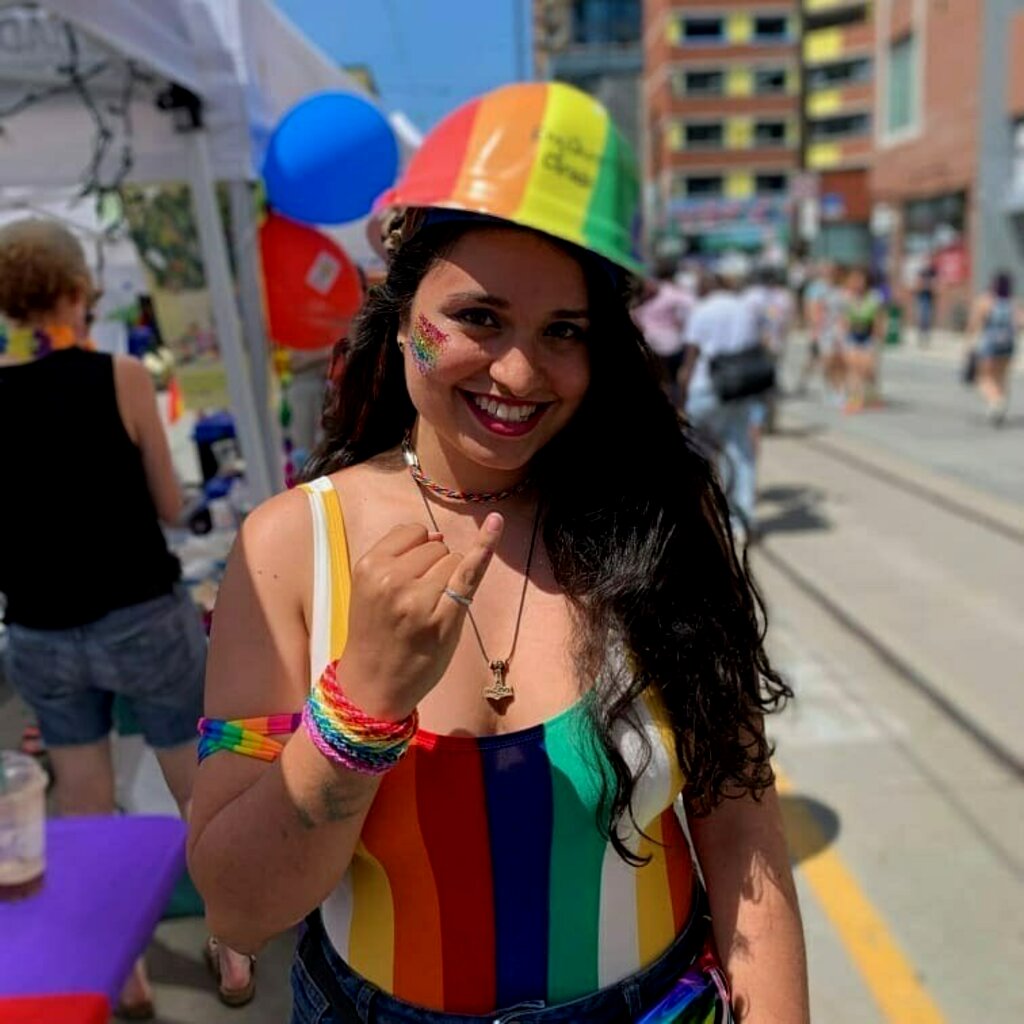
(40, 263)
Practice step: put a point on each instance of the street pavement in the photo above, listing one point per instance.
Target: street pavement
(893, 568)
(893, 571)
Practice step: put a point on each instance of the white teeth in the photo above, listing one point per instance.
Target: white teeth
(500, 411)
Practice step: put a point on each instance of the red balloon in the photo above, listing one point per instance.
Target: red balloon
(311, 288)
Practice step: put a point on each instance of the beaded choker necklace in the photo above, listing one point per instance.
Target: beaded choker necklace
(446, 493)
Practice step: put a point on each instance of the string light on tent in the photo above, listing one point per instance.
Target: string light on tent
(111, 119)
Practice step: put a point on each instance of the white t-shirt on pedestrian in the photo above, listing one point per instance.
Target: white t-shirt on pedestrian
(720, 324)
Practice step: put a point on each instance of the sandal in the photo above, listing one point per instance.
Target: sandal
(229, 996)
(140, 1008)
(135, 1011)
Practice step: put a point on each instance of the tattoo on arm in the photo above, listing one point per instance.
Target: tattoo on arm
(335, 805)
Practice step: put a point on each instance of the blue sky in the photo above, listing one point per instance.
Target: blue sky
(426, 55)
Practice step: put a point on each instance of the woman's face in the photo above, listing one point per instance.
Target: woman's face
(496, 345)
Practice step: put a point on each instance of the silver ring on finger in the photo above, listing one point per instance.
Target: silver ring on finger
(457, 597)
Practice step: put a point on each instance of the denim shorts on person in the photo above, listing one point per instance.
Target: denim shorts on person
(987, 349)
(326, 990)
(152, 654)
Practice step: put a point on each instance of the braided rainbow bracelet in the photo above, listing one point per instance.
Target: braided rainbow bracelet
(348, 736)
(248, 736)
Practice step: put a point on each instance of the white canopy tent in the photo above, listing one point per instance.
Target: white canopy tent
(98, 68)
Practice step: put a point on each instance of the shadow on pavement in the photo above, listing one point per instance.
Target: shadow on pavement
(796, 430)
(811, 826)
(793, 509)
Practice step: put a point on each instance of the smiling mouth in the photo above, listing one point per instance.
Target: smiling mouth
(502, 416)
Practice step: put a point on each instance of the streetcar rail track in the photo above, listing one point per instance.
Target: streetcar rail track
(927, 494)
(995, 749)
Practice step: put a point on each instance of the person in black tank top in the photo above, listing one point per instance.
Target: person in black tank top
(94, 606)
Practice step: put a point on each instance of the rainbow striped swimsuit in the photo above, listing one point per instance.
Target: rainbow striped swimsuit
(481, 878)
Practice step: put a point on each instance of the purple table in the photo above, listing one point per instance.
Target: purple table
(107, 883)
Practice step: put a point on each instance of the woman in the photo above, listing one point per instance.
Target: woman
(516, 571)
(726, 324)
(863, 320)
(94, 606)
(661, 318)
(995, 320)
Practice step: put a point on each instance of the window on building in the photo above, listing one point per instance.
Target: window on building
(703, 186)
(771, 184)
(843, 72)
(606, 21)
(770, 133)
(703, 30)
(770, 27)
(902, 88)
(769, 81)
(1018, 157)
(704, 83)
(840, 126)
(708, 135)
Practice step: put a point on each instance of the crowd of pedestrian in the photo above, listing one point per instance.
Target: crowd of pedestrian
(715, 319)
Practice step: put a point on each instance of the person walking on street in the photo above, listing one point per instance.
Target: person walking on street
(95, 607)
(473, 659)
(726, 326)
(662, 319)
(864, 324)
(995, 320)
(924, 301)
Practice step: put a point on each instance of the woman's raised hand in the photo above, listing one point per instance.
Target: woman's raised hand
(402, 627)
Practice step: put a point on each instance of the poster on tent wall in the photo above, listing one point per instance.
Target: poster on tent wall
(162, 226)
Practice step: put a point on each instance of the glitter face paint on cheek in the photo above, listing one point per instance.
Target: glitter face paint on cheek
(425, 343)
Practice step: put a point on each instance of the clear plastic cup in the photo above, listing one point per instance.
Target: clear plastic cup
(22, 825)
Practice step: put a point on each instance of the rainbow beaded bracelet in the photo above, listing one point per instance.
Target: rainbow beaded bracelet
(348, 736)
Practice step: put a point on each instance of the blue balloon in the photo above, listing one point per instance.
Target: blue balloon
(329, 159)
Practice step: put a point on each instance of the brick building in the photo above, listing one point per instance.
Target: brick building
(594, 45)
(948, 174)
(839, 100)
(722, 127)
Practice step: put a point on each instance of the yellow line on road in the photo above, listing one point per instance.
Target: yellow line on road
(884, 967)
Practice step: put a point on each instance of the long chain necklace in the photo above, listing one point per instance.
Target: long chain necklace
(499, 688)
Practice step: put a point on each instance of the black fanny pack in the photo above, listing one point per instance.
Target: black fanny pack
(742, 374)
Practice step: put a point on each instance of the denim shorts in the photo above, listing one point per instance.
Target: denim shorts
(987, 349)
(152, 654)
(326, 990)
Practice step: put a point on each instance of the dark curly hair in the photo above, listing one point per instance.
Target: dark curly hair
(637, 530)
